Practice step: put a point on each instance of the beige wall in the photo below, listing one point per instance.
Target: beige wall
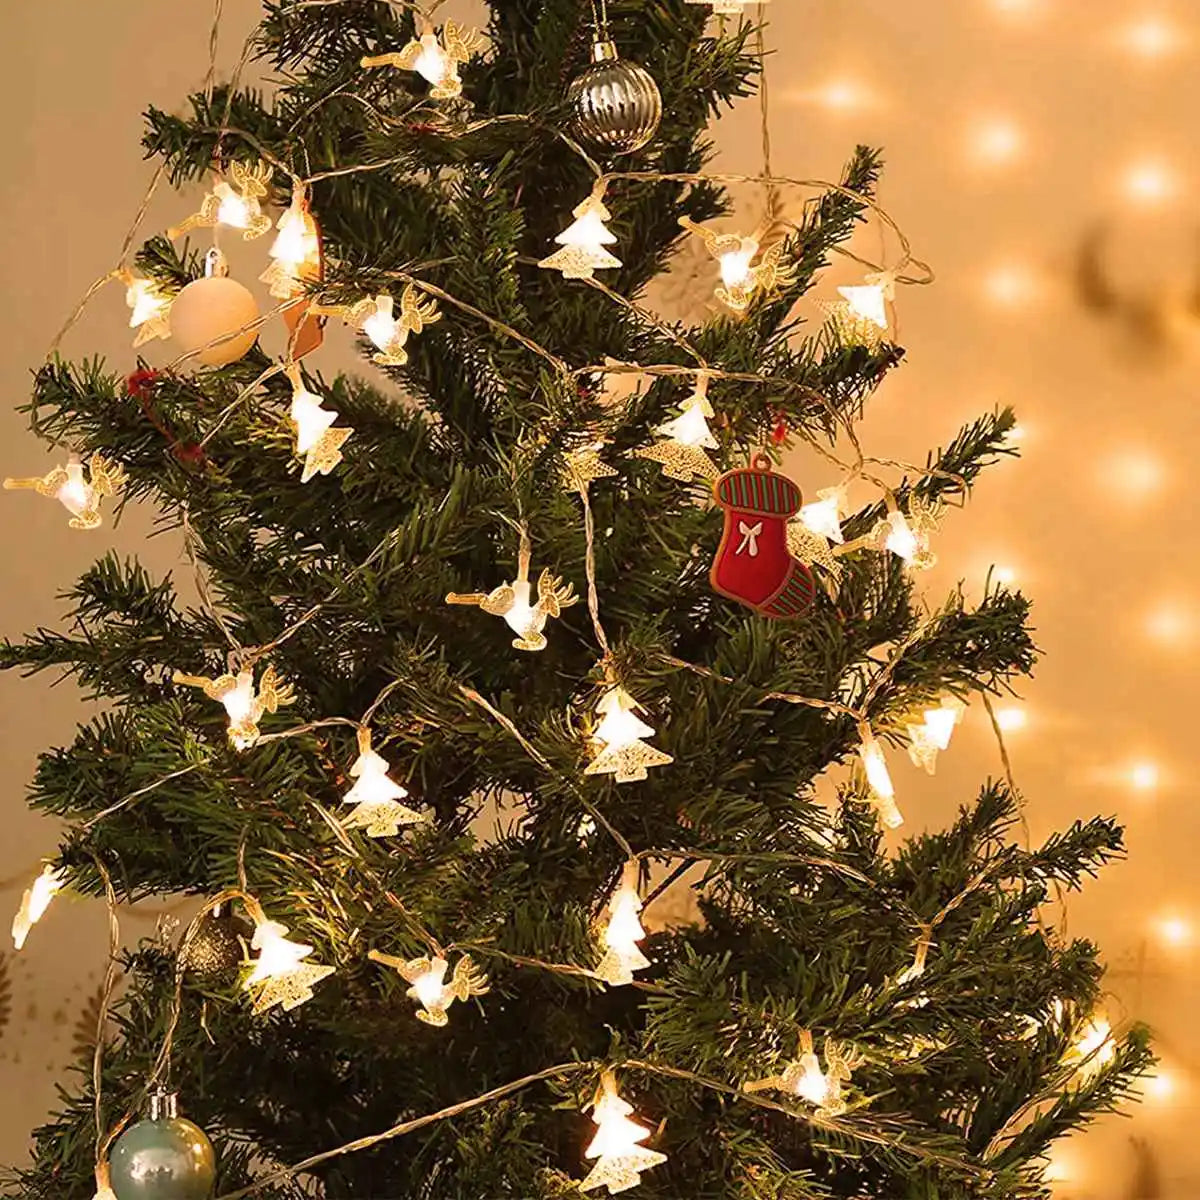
(1011, 127)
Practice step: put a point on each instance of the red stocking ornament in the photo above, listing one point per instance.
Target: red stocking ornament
(753, 565)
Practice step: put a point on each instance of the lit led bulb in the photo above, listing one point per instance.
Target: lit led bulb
(34, 902)
(908, 536)
(869, 301)
(429, 987)
(279, 974)
(237, 204)
(376, 795)
(388, 333)
(806, 1079)
(685, 438)
(879, 781)
(824, 515)
(78, 493)
(621, 1158)
(317, 442)
(296, 250)
(149, 309)
(435, 61)
(618, 738)
(623, 932)
(244, 704)
(1094, 1046)
(583, 243)
(741, 277)
(934, 732)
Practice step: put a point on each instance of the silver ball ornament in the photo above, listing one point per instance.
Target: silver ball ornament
(164, 1157)
(616, 105)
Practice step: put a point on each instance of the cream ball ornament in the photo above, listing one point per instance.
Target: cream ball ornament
(211, 309)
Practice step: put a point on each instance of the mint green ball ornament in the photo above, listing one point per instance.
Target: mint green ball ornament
(164, 1157)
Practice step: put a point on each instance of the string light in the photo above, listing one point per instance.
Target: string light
(741, 278)
(376, 797)
(879, 781)
(622, 932)
(1094, 1047)
(244, 704)
(296, 250)
(236, 204)
(825, 1090)
(429, 987)
(1160, 1086)
(1170, 623)
(933, 732)
(150, 309)
(685, 438)
(908, 536)
(997, 142)
(621, 1158)
(317, 442)
(388, 333)
(512, 601)
(868, 302)
(279, 974)
(1011, 719)
(78, 493)
(1150, 182)
(1004, 574)
(842, 95)
(620, 750)
(34, 902)
(1174, 931)
(1143, 776)
(1009, 285)
(824, 515)
(1151, 37)
(435, 61)
(583, 242)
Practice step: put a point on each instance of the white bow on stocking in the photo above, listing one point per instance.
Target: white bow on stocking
(749, 540)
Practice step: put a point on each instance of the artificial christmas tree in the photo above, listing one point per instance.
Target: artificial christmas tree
(658, 727)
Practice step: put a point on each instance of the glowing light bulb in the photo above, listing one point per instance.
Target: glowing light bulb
(1010, 285)
(279, 974)
(622, 932)
(869, 303)
(1061, 1167)
(1150, 37)
(735, 264)
(842, 95)
(244, 704)
(1160, 1086)
(34, 902)
(1138, 474)
(149, 307)
(1174, 931)
(78, 494)
(879, 781)
(381, 326)
(824, 515)
(621, 751)
(616, 1146)
(430, 988)
(1095, 1043)
(1150, 182)
(1005, 575)
(811, 1084)
(901, 540)
(1144, 776)
(317, 442)
(583, 243)
(1170, 623)
(934, 732)
(296, 250)
(997, 142)
(1011, 719)
(375, 795)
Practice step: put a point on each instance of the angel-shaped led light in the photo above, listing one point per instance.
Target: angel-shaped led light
(622, 932)
(583, 242)
(296, 250)
(149, 309)
(934, 732)
(237, 204)
(429, 986)
(869, 302)
(618, 737)
(34, 902)
(78, 493)
(513, 601)
(435, 61)
(317, 442)
(376, 795)
(824, 515)
(883, 793)
(280, 975)
(685, 438)
(621, 1158)
(244, 704)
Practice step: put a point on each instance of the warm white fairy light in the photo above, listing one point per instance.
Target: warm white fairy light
(1144, 776)
(620, 750)
(741, 277)
(1094, 1046)
(879, 781)
(388, 332)
(1150, 182)
(436, 61)
(621, 1158)
(824, 515)
(1011, 285)
(376, 796)
(1004, 574)
(1011, 719)
(932, 733)
(34, 902)
(279, 974)
(1170, 623)
(622, 932)
(901, 540)
(824, 1089)
(244, 704)
(317, 442)
(1151, 37)
(236, 204)
(869, 301)
(1174, 931)
(430, 989)
(685, 438)
(150, 309)
(583, 242)
(77, 492)
(296, 250)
